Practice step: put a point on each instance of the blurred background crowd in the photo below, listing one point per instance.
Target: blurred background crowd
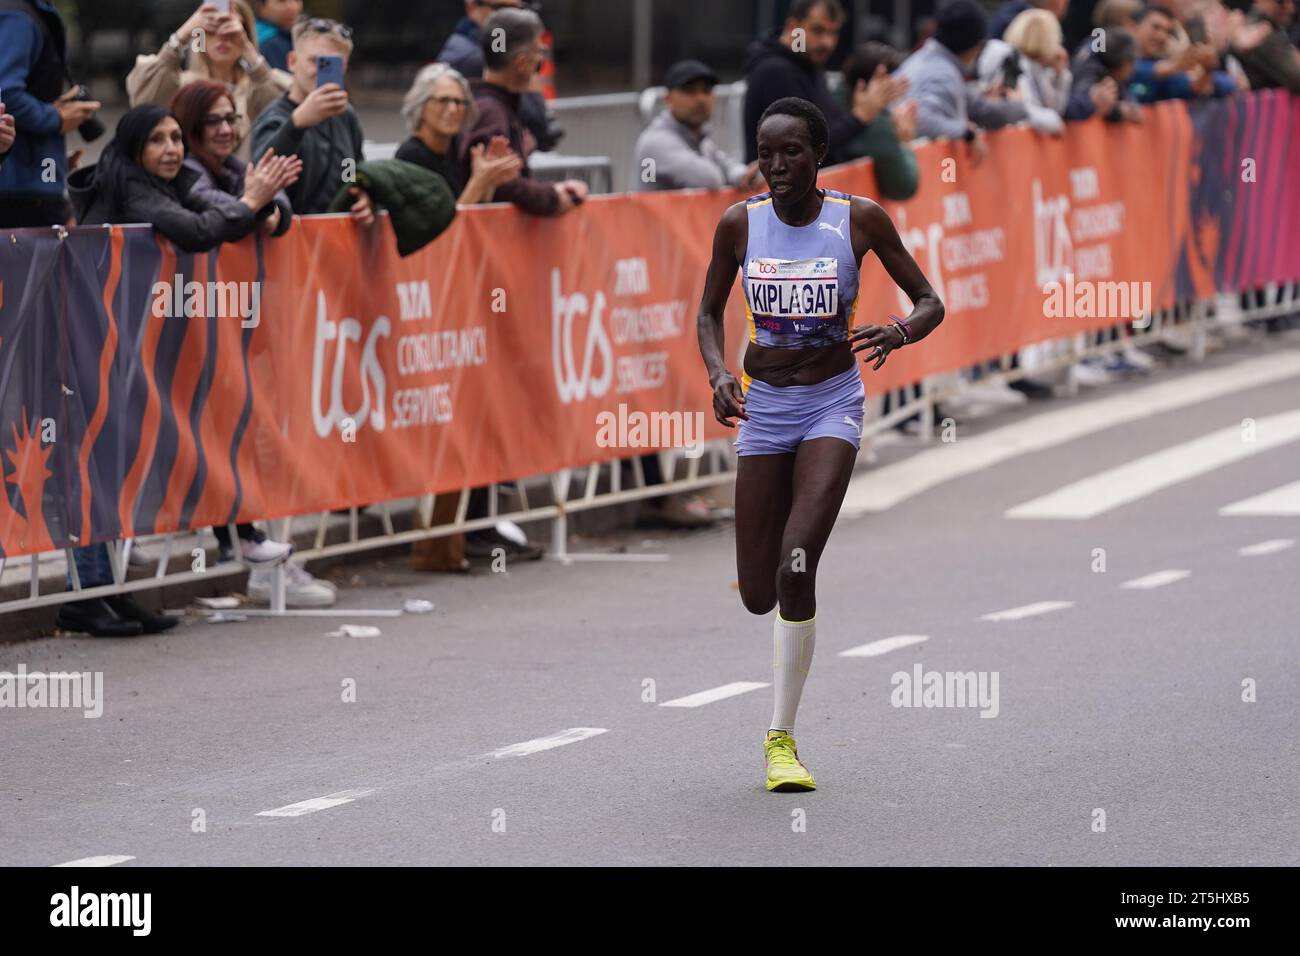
(212, 122)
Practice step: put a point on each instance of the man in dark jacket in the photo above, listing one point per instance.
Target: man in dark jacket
(1110, 64)
(463, 53)
(1186, 75)
(509, 66)
(316, 123)
(33, 73)
(793, 63)
(1275, 62)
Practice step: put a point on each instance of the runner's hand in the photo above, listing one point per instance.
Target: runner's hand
(881, 339)
(728, 400)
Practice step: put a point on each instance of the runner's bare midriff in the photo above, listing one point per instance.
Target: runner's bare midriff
(783, 367)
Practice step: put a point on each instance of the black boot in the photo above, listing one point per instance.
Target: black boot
(151, 622)
(96, 618)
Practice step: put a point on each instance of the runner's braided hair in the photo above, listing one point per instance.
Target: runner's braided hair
(818, 130)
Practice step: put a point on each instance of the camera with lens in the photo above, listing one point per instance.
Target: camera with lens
(92, 128)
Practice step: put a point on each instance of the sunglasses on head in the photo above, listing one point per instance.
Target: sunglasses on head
(326, 25)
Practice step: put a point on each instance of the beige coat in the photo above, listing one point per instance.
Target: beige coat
(155, 78)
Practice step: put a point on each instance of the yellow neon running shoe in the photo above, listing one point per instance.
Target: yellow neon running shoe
(784, 771)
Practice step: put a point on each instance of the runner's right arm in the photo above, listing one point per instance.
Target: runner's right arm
(728, 247)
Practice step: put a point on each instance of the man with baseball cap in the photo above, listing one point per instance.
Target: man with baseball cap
(675, 151)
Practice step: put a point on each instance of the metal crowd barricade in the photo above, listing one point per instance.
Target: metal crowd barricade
(555, 496)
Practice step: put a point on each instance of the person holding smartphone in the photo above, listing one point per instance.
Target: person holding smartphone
(314, 120)
(228, 55)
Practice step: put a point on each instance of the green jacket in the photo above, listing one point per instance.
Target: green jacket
(895, 163)
(419, 201)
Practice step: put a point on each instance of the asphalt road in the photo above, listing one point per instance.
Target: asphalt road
(1126, 700)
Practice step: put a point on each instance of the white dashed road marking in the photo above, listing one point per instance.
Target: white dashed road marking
(884, 646)
(570, 736)
(97, 861)
(1155, 580)
(1271, 546)
(1027, 610)
(716, 693)
(317, 803)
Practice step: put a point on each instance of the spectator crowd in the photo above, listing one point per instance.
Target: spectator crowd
(242, 119)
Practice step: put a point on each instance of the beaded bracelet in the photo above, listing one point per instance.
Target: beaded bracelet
(902, 328)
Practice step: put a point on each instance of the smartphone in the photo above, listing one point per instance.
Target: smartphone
(329, 69)
(223, 6)
(1011, 71)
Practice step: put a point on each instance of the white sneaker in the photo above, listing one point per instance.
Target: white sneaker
(1232, 332)
(994, 393)
(1176, 340)
(1138, 357)
(1090, 375)
(263, 554)
(300, 588)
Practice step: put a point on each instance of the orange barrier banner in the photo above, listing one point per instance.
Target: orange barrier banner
(146, 391)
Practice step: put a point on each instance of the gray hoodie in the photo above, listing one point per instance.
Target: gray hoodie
(945, 102)
(683, 157)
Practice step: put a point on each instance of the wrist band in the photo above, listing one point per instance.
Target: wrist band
(903, 329)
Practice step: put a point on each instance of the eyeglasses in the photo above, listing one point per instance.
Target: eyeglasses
(326, 25)
(230, 119)
(446, 101)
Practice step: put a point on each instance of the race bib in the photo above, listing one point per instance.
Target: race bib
(793, 296)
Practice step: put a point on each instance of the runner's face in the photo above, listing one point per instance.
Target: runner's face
(786, 157)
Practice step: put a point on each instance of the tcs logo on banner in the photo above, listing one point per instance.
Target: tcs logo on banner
(333, 413)
(574, 384)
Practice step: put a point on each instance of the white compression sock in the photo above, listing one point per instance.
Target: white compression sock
(793, 644)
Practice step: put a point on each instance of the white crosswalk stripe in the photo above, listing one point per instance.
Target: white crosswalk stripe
(881, 488)
(1283, 502)
(1143, 476)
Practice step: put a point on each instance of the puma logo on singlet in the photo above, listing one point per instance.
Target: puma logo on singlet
(829, 228)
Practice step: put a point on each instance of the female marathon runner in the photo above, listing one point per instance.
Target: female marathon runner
(800, 399)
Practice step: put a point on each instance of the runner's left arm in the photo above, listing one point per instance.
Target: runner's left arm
(874, 231)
